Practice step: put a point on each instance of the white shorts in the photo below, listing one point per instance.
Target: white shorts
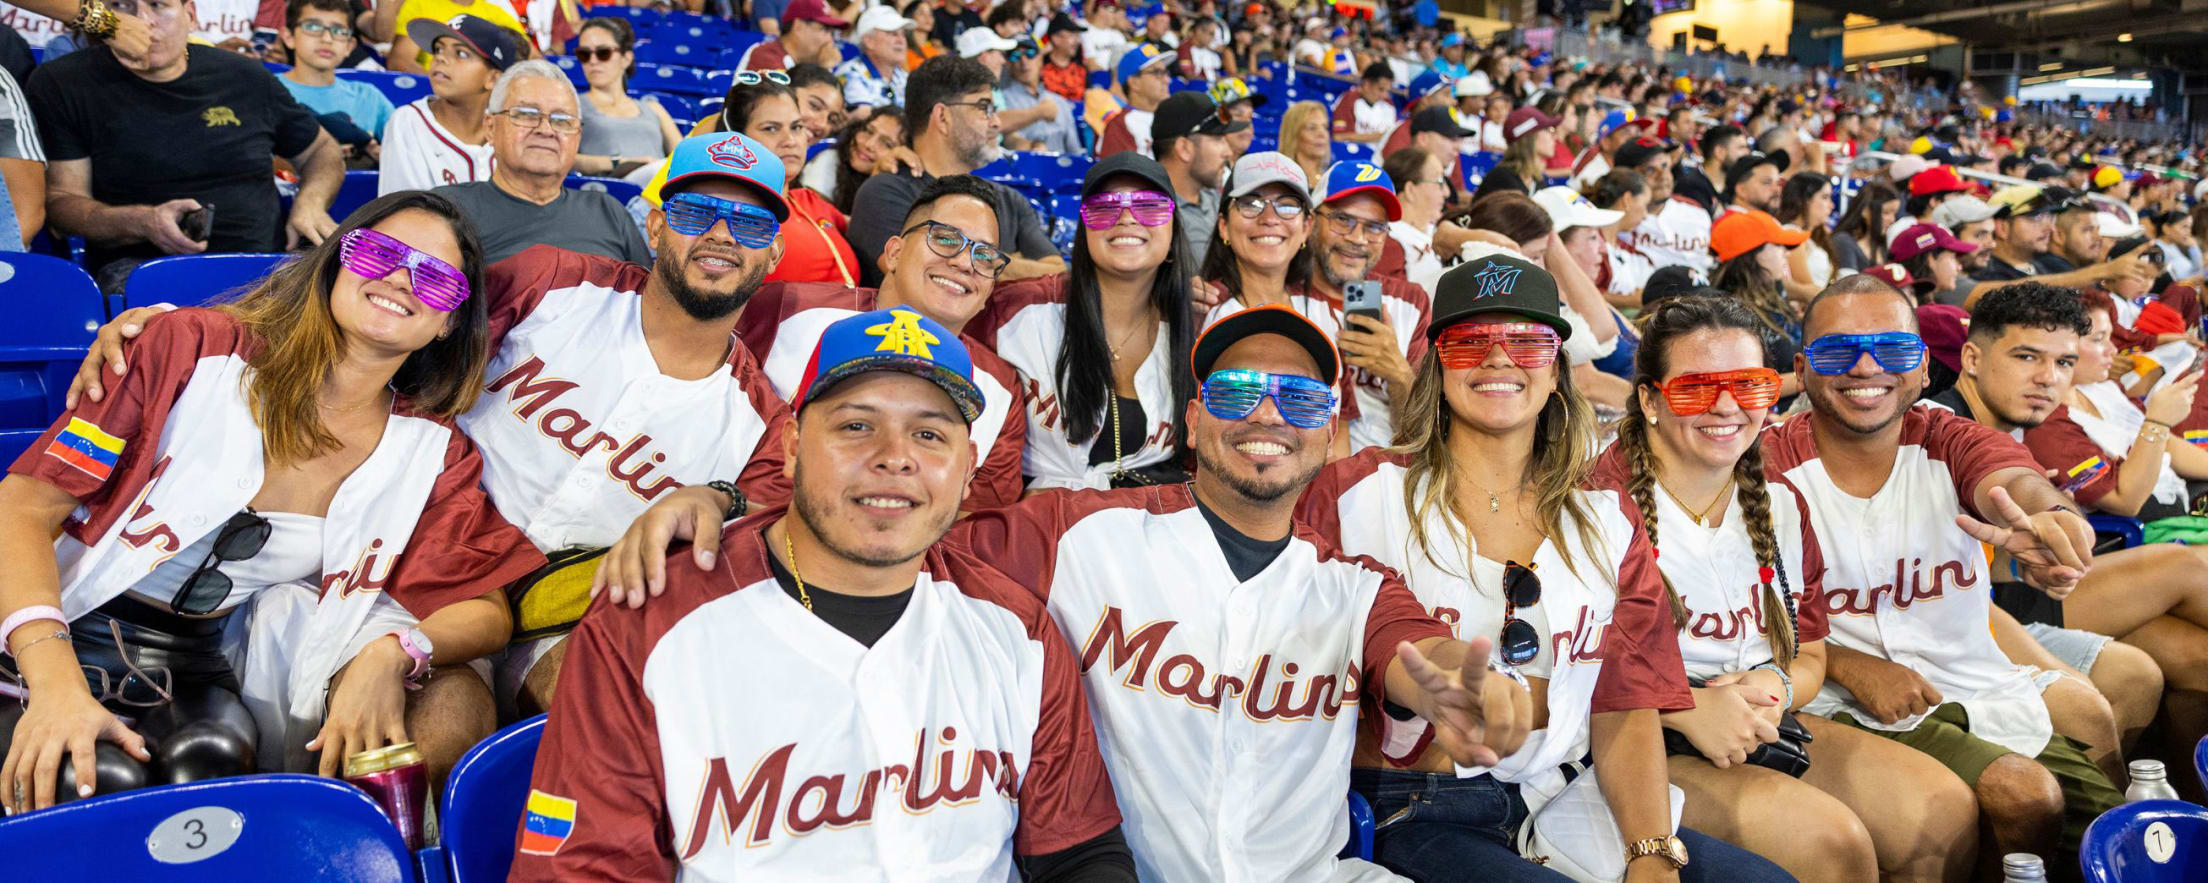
(2077, 648)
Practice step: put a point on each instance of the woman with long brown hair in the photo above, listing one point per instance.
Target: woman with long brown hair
(1805, 203)
(293, 450)
(1485, 507)
(1744, 586)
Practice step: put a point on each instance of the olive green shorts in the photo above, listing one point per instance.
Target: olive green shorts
(1945, 736)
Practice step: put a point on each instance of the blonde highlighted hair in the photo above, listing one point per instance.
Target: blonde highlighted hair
(298, 342)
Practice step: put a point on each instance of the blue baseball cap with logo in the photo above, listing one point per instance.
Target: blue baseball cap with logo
(1615, 120)
(498, 47)
(895, 339)
(1350, 177)
(1141, 58)
(731, 155)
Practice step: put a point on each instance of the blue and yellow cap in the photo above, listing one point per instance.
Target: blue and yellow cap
(1350, 177)
(731, 155)
(895, 339)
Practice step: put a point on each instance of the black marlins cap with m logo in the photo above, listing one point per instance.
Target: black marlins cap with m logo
(1497, 284)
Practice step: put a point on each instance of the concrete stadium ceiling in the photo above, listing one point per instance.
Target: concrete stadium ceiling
(2157, 33)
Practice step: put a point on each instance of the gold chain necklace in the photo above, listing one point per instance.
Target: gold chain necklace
(1494, 500)
(791, 548)
(1119, 458)
(1130, 335)
(1700, 519)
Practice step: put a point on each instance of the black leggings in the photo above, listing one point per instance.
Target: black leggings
(203, 732)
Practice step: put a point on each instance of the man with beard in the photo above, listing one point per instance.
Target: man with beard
(612, 384)
(943, 267)
(1189, 139)
(1720, 146)
(832, 633)
(1348, 233)
(1971, 220)
(1227, 715)
(1901, 498)
(951, 121)
(1753, 182)
(2024, 231)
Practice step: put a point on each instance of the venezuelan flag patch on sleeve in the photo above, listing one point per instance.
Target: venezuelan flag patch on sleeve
(548, 821)
(87, 447)
(2084, 473)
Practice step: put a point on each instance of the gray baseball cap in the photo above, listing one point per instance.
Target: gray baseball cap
(1256, 170)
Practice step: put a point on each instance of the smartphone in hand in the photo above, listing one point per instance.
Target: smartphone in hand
(1362, 298)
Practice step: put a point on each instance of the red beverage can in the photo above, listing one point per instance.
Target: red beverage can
(397, 776)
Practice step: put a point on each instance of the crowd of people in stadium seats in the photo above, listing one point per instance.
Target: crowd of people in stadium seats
(1606, 473)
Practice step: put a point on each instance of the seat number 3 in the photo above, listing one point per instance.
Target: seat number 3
(194, 835)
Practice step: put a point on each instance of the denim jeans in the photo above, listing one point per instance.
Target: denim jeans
(1435, 827)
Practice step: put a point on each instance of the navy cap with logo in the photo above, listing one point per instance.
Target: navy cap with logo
(1268, 319)
(1497, 284)
(497, 46)
(1191, 113)
(895, 339)
(1441, 120)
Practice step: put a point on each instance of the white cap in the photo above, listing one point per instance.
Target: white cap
(1960, 210)
(879, 18)
(1568, 209)
(1474, 85)
(2112, 227)
(1907, 167)
(1255, 170)
(975, 41)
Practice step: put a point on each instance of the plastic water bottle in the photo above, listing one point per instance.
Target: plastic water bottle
(2149, 781)
(2022, 867)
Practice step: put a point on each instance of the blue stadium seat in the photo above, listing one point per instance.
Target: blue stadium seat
(358, 190)
(57, 310)
(1001, 171)
(2152, 841)
(695, 24)
(1360, 826)
(2129, 529)
(573, 68)
(617, 188)
(400, 88)
(1100, 79)
(702, 53)
(717, 82)
(1345, 151)
(269, 827)
(482, 807)
(2200, 761)
(194, 280)
(1055, 173)
(678, 106)
(639, 17)
(663, 78)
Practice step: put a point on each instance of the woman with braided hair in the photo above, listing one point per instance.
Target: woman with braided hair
(1485, 507)
(1744, 580)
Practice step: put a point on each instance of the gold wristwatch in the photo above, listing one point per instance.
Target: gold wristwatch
(94, 19)
(1670, 848)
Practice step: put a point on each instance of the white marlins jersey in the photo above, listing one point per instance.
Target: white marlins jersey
(1903, 583)
(1025, 322)
(1717, 576)
(1371, 420)
(956, 742)
(580, 431)
(1227, 710)
(421, 154)
(1608, 643)
(781, 325)
(1676, 233)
